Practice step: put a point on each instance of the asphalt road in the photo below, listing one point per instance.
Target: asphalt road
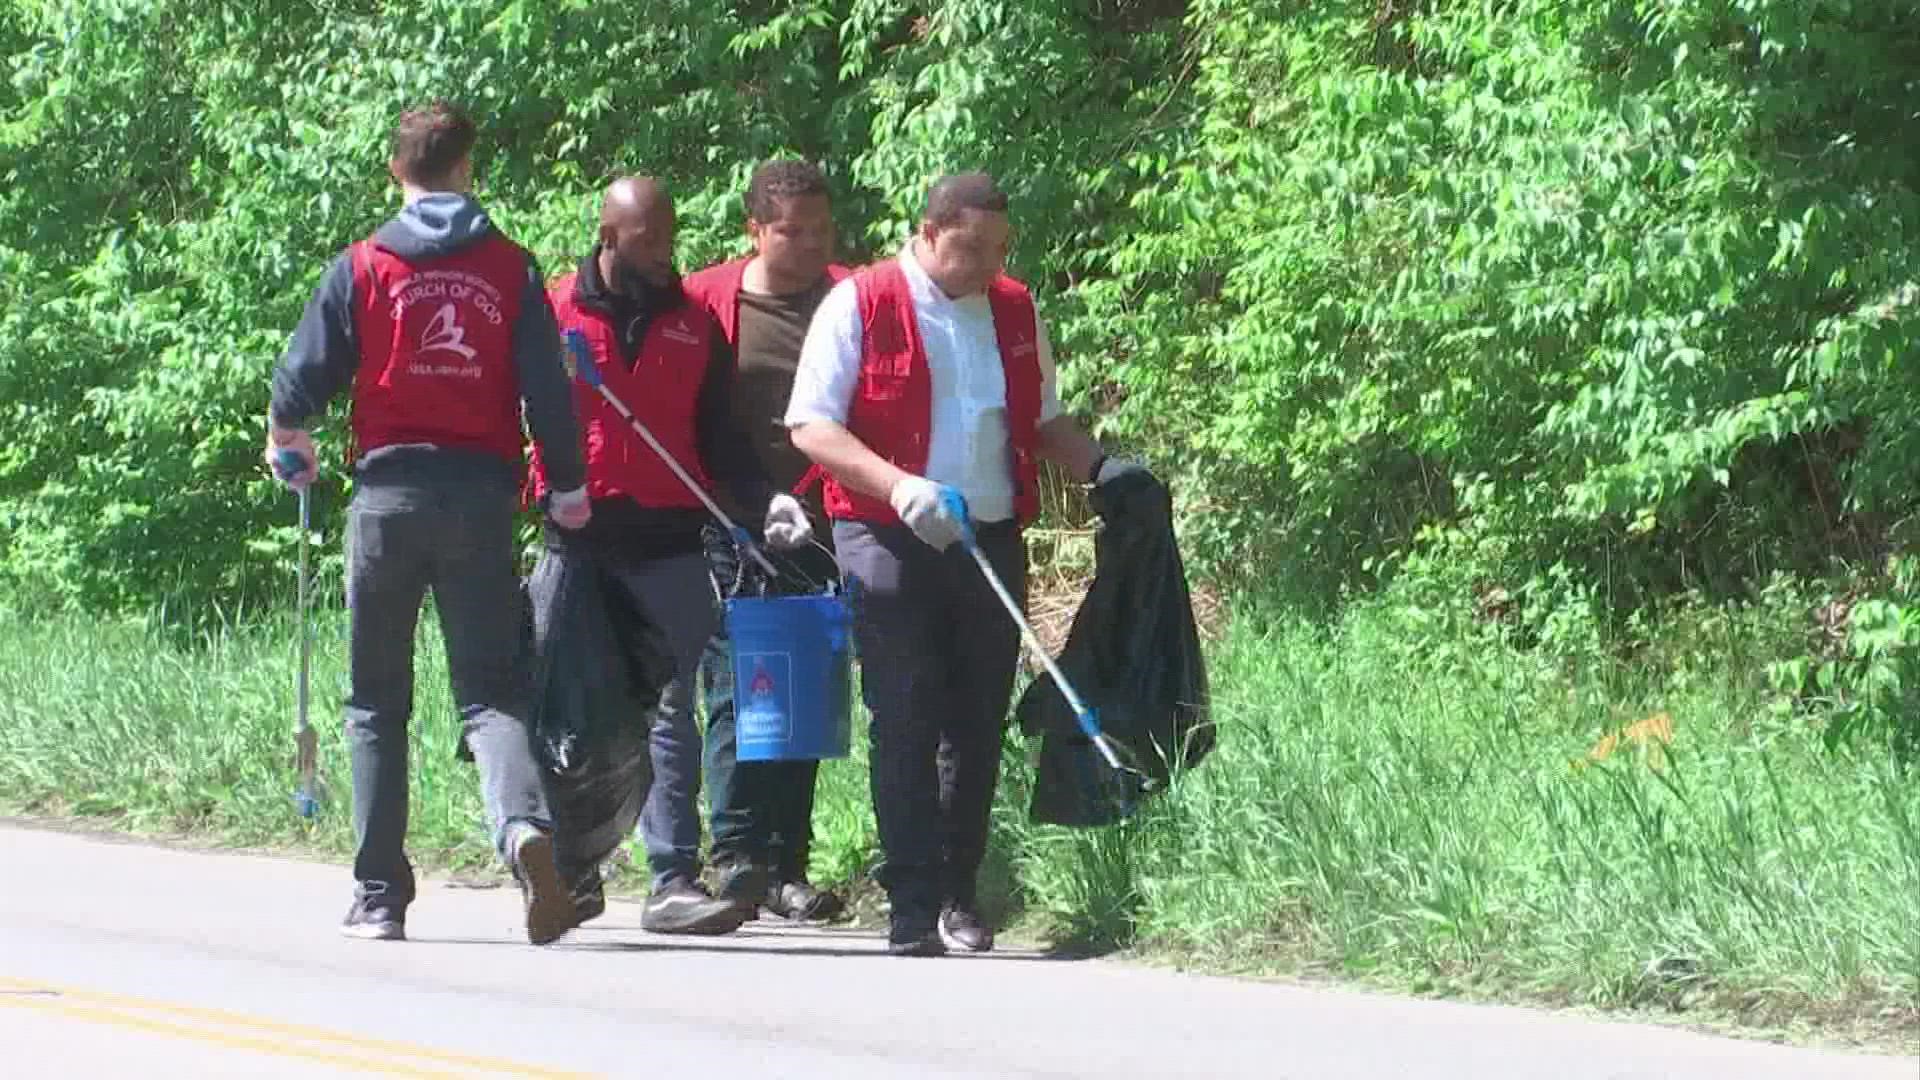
(123, 959)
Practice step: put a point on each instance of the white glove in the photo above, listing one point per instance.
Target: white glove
(787, 525)
(570, 509)
(927, 510)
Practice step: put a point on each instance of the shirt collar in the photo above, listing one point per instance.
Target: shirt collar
(922, 285)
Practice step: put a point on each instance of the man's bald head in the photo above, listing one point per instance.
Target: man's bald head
(636, 231)
(631, 198)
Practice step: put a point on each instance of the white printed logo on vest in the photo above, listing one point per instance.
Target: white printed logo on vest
(444, 334)
(679, 332)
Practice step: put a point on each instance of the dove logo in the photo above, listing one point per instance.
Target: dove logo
(444, 334)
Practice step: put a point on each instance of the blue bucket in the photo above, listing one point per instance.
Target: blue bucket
(792, 677)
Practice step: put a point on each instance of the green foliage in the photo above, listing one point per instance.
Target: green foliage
(1862, 678)
(182, 174)
(1581, 281)
(1582, 304)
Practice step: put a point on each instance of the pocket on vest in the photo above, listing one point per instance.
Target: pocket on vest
(881, 385)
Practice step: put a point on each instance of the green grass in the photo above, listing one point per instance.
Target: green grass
(1388, 806)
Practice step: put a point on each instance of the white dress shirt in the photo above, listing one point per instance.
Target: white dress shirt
(968, 448)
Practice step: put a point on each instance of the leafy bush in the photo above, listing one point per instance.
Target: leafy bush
(1578, 304)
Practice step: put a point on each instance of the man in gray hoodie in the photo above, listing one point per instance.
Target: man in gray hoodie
(438, 328)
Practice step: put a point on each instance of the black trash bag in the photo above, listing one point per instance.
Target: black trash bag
(1133, 655)
(599, 668)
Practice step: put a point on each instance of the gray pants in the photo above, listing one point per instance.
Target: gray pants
(457, 539)
(676, 595)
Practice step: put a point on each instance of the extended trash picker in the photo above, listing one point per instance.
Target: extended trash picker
(306, 757)
(584, 369)
(1132, 782)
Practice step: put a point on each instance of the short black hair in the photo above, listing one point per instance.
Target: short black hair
(781, 180)
(955, 194)
(429, 141)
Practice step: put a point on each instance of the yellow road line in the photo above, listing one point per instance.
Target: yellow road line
(217, 1038)
(73, 1000)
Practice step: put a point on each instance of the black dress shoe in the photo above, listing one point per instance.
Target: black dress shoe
(908, 936)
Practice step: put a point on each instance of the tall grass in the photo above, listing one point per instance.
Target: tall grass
(1422, 808)
(1434, 813)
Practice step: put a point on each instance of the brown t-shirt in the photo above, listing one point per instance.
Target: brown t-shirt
(772, 329)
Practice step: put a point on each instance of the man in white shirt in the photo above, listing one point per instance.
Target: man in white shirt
(920, 374)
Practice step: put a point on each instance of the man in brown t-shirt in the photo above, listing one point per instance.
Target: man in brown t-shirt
(762, 811)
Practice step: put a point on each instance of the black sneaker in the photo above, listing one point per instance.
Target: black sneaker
(962, 929)
(372, 918)
(683, 906)
(909, 936)
(548, 903)
(801, 902)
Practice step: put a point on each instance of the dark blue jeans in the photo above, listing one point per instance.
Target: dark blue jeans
(761, 812)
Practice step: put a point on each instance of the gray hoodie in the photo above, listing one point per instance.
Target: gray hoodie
(325, 352)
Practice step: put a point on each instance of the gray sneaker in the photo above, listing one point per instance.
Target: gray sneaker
(371, 919)
(549, 905)
(682, 906)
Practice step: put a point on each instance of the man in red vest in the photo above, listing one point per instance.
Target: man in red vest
(922, 373)
(438, 328)
(663, 356)
(762, 811)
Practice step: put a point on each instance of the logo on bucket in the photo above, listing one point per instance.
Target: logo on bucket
(765, 716)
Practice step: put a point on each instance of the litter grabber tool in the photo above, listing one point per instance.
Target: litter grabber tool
(306, 761)
(587, 372)
(1133, 782)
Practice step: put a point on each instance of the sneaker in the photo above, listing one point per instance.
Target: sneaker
(371, 919)
(962, 929)
(907, 936)
(683, 906)
(801, 902)
(549, 904)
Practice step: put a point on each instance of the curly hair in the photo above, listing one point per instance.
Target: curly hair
(781, 180)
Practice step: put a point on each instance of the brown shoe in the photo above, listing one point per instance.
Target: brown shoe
(549, 906)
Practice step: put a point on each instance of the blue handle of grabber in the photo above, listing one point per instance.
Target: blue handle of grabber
(1083, 714)
(582, 367)
(288, 463)
(956, 505)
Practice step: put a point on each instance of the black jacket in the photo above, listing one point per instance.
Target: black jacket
(622, 529)
(1133, 655)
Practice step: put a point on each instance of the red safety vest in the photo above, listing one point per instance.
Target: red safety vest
(662, 389)
(436, 348)
(717, 288)
(892, 407)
